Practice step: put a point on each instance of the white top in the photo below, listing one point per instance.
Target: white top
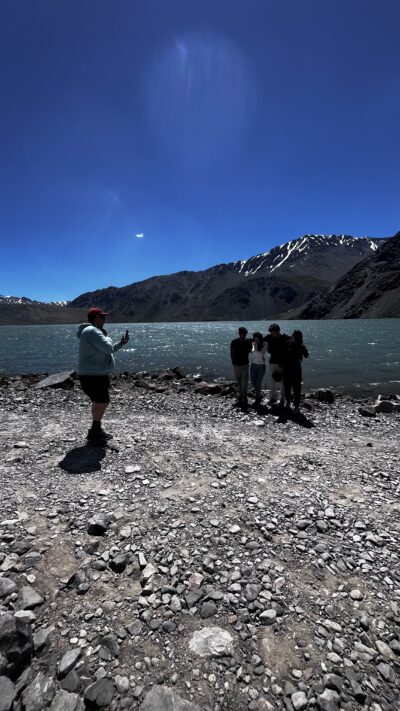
(258, 357)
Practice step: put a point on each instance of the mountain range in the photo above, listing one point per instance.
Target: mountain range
(293, 280)
(371, 289)
(286, 277)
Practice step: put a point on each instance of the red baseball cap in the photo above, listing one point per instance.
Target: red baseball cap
(95, 311)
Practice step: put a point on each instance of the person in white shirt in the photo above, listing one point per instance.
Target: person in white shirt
(257, 365)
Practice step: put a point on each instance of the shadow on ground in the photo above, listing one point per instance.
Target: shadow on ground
(82, 460)
(283, 414)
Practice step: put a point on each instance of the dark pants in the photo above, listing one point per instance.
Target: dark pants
(292, 378)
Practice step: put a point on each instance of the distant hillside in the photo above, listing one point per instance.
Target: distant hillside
(22, 311)
(260, 287)
(371, 289)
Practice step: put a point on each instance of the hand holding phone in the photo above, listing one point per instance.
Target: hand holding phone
(125, 338)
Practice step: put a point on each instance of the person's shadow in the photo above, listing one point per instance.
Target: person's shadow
(82, 460)
(297, 418)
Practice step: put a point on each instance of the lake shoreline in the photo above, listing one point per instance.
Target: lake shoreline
(272, 536)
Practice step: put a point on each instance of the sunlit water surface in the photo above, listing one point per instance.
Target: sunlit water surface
(353, 355)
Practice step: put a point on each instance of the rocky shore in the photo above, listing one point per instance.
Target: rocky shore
(209, 558)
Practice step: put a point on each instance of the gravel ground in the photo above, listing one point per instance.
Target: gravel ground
(208, 558)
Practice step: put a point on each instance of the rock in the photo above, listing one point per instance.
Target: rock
(7, 587)
(64, 701)
(7, 694)
(211, 641)
(16, 643)
(333, 681)
(68, 661)
(299, 700)
(98, 525)
(328, 701)
(208, 609)
(367, 411)
(29, 598)
(58, 380)
(384, 406)
(41, 637)
(252, 591)
(39, 694)
(268, 617)
(235, 528)
(72, 682)
(118, 564)
(324, 395)
(162, 698)
(356, 594)
(122, 684)
(109, 647)
(99, 694)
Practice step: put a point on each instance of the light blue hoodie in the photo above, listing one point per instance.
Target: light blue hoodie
(95, 351)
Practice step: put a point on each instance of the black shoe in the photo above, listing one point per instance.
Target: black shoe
(98, 436)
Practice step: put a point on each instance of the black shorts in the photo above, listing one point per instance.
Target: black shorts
(96, 387)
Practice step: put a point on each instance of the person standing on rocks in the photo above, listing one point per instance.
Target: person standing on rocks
(292, 370)
(95, 363)
(240, 349)
(276, 346)
(257, 365)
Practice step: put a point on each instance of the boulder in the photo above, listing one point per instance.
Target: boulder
(39, 694)
(367, 411)
(162, 698)
(384, 406)
(58, 380)
(64, 701)
(16, 643)
(211, 642)
(324, 395)
(7, 587)
(99, 694)
(7, 694)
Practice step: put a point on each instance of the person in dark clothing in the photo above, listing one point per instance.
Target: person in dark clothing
(240, 349)
(276, 347)
(292, 370)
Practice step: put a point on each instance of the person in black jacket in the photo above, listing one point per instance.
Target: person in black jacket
(292, 371)
(276, 346)
(240, 349)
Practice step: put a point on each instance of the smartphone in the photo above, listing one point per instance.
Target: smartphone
(126, 334)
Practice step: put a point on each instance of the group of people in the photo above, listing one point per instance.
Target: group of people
(285, 358)
(96, 362)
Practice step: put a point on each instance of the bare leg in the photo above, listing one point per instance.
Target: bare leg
(98, 410)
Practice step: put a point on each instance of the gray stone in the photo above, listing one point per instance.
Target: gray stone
(100, 693)
(7, 587)
(333, 681)
(64, 701)
(386, 671)
(72, 682)
(29, 598)
(118, 564)
(16, 643)
(268, 617)
(211, 641)
(328, 701)
(58, 380)
(39, 694)
(162, 698)
(68, 661)
(122, 684)
(109, 647)
(208, 609)
(41, 637)
(384, 406)
(7, 693)
(98, 525)
(299, 700)
(367, 411)
(252, 591)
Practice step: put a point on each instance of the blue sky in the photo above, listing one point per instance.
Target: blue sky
(217, 128)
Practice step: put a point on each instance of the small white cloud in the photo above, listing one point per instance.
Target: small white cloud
(140, 235)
